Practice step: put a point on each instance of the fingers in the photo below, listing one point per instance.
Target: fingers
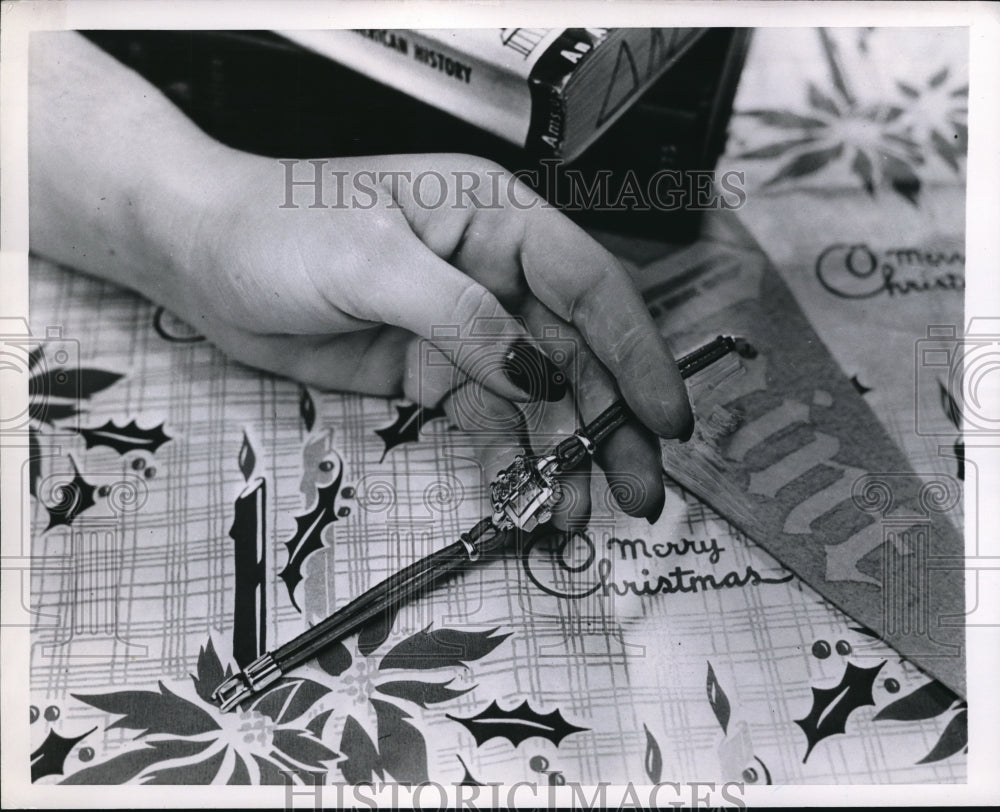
(371, 362)
(386, 361)
(547, 425)
(416, 290)
(630, 456)
(584, 284)
(633, 469)
(494, 426)
(503, 248)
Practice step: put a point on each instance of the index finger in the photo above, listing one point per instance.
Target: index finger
(585, 284)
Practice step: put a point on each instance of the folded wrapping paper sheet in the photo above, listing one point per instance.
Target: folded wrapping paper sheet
(855, 182)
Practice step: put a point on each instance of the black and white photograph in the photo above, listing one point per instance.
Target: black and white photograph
(572, 405)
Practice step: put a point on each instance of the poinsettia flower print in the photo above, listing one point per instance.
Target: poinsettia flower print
(936, 113)
(419, 671)
(188, 741)
(836, 129)
(881, 143)
(284, 731)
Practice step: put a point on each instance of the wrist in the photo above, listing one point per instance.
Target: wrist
(176, 201)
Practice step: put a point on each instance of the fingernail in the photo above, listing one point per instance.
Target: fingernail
(688, 431)
(531, 371)
(681, 429)
(653, 516)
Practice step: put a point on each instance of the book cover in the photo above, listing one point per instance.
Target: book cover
(552, 91)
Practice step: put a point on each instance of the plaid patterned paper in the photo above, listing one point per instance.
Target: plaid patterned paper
(725, 671)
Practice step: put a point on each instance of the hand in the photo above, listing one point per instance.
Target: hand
(353, 298)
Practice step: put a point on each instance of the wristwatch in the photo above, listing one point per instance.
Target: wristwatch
(523, 496)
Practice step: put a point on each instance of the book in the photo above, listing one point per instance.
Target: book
(552, 91)
(262, 93)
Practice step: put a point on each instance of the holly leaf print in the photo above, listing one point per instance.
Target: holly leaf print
(74, 498)
(308, 536)
(467, 778)
(717, 699)
(50, 757)
(443, 647)
(421, 693)
(46, 411)
(517, 724)
(925, 702)
(406, 428)
(152, 712)
(832, 706)
(71, 384)
(125, 438)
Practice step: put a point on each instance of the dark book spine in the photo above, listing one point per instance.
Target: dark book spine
(547, 82)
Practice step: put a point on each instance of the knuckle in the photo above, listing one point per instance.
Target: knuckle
(475, 163)
(630, 343)
(474, 302)
(587, 299)
(595, 387)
